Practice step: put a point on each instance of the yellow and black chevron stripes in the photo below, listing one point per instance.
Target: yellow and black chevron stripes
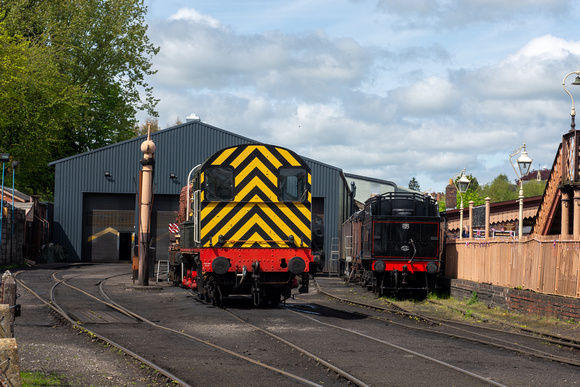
(256, 217)
(252, 224)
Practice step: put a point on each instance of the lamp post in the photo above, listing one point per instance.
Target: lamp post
(461, 185)
(524, 164)
(4, 157)
(14, 165)
(575, 83)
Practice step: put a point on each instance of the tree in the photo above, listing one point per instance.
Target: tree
(472, 193)
(78, 82)
(468, 196)
(37, 103)
(500, 189)
(151, 124)
(534, 188)
(414, 185)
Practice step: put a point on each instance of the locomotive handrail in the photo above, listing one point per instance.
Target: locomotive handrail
(414, 250)
(188, 197)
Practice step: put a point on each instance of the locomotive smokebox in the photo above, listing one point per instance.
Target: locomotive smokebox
(296, 265)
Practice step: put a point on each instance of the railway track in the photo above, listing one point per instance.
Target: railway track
(56, 308)
(481, 334)
(357, 335)
(106, 301)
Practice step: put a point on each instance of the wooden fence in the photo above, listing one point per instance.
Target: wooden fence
(542, 265)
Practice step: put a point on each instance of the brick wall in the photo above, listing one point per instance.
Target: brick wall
(523, 301)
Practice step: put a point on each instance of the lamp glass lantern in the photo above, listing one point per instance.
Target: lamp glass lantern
(463, 183)
(524, 162)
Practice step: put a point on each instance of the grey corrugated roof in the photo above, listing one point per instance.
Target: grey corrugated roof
(371, 179)
(153, 135)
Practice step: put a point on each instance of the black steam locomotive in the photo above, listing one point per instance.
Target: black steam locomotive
(394, 245)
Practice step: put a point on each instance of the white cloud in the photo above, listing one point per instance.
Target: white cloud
(191, 15)
(394, 106)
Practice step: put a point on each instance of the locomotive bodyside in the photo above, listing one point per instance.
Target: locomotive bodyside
(399, 248)
(249, 230)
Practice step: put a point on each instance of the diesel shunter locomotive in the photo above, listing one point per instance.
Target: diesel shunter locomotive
(246, 225)
(393, 245)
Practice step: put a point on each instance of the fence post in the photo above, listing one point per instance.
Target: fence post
(9, 363)
(487, 212)
(9, 296)
(470, 219)
(5, 331)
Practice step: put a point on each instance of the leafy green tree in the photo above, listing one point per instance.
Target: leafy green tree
(473, 183)
(37, 103)
(468, 196)
(414, 185)
(151, 125)
(76, 71)
(441, 204)
(534, 188)
(500, 189)
(472, 193)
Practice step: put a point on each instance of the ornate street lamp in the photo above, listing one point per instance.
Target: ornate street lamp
(462, 185)
(4, 158)
(14, 165)
(524, 163)
(575, 83)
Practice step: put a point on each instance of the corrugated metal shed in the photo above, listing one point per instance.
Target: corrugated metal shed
(178, 150)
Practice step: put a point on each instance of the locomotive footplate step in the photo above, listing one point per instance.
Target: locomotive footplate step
(100, 317)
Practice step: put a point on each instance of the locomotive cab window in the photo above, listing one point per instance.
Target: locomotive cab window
(219, 184)
(293, 184)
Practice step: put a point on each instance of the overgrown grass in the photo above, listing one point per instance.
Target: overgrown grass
(38, 379)
(438, 294)
(473, 299)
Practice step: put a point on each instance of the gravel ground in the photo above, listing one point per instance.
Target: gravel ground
(48, 346)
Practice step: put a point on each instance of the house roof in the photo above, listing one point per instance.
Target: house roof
(19, 197)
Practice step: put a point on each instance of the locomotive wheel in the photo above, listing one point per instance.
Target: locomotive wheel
(380, 287)
(214, 294)
(217, 296)
(274, 298)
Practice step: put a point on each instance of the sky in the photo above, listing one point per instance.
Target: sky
(389, 89)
